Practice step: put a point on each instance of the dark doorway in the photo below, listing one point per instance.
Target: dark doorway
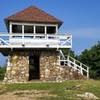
(34, 70)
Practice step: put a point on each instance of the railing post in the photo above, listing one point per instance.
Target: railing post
(81, 71)
(81, 68)
(46, 36)
(68, 60)
(58, 42)
(59, 60)
(74, 65)
(87, 72)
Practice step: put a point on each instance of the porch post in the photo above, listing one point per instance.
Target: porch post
(45, 29)
(34, 29)
(10, 30)
(56, 29)
(22, 34)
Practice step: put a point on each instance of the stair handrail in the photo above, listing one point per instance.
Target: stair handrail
(62, 54)
(78, 61)
(82, 67)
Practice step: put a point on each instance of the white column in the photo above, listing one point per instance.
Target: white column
(22, 34)
(45, 29)
(56, 29)
(10, 30)
(34, 31)
(34, 27)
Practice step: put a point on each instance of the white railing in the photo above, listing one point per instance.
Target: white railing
(4, 39)
(75, 64)
(54, 40)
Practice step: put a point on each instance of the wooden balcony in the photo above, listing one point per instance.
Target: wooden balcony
(35, 40)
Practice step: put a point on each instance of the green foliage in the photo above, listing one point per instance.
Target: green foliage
(2, 72)
(91, 58)
(69, 52)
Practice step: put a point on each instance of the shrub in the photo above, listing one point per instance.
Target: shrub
(2, 72)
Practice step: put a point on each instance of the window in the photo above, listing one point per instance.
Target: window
(51, 29)
(28, 29)
(40, 29)
(17, 28)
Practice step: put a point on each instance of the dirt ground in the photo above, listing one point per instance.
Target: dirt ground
(26, 95)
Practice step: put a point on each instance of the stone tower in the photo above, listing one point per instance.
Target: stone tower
(32, 46)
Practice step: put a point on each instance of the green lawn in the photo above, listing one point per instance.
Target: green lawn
(63, 91)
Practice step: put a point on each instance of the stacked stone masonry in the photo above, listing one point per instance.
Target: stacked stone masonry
(18, 68)
(50, 70)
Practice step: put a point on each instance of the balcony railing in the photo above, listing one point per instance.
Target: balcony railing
(35, 40)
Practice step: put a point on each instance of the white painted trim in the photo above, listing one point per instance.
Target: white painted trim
(80, 67)
(23, 34)
(10, 30)
(38, 38)
(10, 26)
(34, 29)
(57, 29)
(45, 29)
(34, 24)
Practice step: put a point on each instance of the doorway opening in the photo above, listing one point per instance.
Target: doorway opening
(34, 68)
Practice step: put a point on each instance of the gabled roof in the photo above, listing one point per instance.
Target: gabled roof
(33, 14)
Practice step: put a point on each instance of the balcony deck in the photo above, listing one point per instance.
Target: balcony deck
(35, 40)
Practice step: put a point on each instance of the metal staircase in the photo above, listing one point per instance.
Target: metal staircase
(75, 64)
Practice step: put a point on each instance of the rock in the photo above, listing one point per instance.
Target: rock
(88, 96)
(77, 87)
(8, 68)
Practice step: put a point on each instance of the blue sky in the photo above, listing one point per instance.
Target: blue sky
(81, 18)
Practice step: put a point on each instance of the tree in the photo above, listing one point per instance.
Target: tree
(2, 72)
(69, 52)
(91, 57)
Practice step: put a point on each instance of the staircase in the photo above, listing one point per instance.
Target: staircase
(74, 64)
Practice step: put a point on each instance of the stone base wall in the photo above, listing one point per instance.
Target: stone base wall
(48, 64)
(18, 68)
(50, 70)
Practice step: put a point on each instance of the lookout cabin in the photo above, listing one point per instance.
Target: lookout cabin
(33, 46)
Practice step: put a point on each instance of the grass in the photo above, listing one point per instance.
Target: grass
(63, 91)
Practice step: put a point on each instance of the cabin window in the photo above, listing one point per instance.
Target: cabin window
(40, 29)
(28, 29)
(51, 29)
(17, 28)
